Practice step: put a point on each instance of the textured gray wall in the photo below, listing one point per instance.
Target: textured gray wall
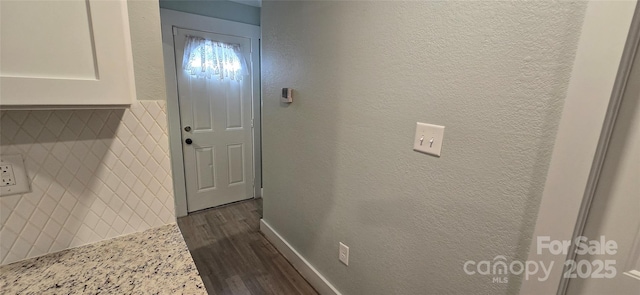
(221, 9)
(146, 48)
(338, 162)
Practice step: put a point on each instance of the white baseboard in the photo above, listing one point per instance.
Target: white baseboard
(299, 263)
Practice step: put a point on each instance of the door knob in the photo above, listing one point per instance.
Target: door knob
(187, 128)
(188, 141)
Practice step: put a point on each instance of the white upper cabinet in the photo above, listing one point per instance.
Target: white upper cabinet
(65, 53)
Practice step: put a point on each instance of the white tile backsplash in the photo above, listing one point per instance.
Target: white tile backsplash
(95, 175)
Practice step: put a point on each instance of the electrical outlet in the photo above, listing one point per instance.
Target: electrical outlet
(6, 173)
(343, 254)
(13, 175)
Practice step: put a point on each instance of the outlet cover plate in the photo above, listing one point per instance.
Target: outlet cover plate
(343, 254)
(13, 175)
(428, 139)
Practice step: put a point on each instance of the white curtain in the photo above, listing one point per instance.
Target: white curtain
(208, 59)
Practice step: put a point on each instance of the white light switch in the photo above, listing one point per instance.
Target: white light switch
(428, 139)
(13, 176)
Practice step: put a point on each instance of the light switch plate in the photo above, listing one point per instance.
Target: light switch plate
(13, 175)
(428, 139)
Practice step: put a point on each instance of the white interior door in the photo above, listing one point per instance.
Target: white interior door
(216, 121)
(615, 210)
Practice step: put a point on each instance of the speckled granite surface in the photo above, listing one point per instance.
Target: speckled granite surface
(155, 261)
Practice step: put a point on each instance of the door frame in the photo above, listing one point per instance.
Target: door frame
(606, 49)
(170, 19)
(627, 61)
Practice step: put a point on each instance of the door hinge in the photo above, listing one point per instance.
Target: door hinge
(175, 31)
(251, 123)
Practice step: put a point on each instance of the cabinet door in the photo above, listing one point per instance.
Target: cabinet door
(65, 53)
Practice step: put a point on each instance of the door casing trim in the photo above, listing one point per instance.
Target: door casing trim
(582, 137)
(170, 19)
(624, 71)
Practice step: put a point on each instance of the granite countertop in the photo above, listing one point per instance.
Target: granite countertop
(155, 261)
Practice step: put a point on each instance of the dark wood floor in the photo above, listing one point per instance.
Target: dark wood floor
(233, 257)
